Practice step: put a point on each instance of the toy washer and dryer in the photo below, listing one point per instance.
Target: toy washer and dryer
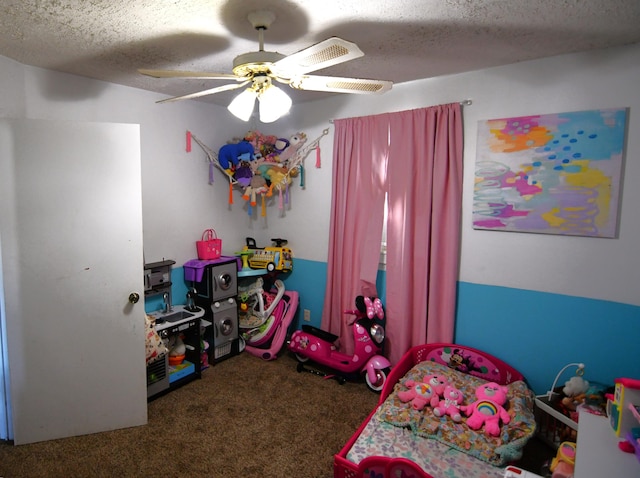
(216, 285)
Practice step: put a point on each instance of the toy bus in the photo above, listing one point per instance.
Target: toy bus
(271, 258)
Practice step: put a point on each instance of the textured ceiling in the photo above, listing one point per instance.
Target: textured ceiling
(403, 40)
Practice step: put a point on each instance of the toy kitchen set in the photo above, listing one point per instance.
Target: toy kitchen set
(191, 336)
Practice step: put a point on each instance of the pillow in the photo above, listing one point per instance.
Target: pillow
(498, 451)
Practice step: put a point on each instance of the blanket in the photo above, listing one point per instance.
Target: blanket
(498, 451)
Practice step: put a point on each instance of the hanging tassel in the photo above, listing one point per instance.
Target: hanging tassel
(280, 205)
(188, 141)
(318, 156)
(249, 210)
(301, 176)
(230, 193)
(286, 195)
(264, 206)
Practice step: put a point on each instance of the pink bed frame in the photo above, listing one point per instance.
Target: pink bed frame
(498, 371)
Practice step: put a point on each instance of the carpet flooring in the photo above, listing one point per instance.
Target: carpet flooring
(244, 418)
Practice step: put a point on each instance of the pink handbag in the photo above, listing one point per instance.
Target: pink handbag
(210, 247)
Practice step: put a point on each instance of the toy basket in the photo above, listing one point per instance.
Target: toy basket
(210, 247)
(552, 425)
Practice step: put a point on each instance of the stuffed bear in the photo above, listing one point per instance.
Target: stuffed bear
(438, 383)
(419, 394)
(452, 399)
(487, 409)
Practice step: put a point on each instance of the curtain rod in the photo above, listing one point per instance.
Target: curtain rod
(467, 102)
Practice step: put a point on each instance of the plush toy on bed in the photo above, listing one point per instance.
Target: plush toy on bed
(450, 404)
(439, 383)
(488, 409)
(424, 393)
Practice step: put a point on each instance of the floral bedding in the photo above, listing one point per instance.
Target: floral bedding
(497, 451)
(378, 438)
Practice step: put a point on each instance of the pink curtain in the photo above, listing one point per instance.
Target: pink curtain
(357, 211)
(415, 157)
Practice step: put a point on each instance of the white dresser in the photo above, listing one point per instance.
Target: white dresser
(597, 452)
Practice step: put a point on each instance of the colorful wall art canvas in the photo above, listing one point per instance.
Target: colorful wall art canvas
(553, 174)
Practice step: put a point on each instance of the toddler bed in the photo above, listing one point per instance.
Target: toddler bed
(397, 440)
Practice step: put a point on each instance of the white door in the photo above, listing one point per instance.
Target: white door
(71, 239)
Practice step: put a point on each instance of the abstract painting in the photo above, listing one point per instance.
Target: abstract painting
(552, 174)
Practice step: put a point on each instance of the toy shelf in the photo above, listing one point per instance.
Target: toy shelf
(553, 426)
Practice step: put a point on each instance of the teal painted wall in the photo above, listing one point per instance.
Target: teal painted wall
(178, 292)
(536, 332)
(539, 333)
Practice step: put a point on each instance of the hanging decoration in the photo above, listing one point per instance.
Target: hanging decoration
(261, 165)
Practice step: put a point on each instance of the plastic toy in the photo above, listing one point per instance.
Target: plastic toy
(271, 258)
(374, 307)
(266, 317)
(627, 390)
(419, 394)
(321, 347)
(487, 410)
(450, 404)
(515, 472)
(563, 463)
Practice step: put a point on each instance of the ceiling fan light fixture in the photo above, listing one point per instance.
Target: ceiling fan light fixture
(242, 105)
(274, 103)
(261, 67)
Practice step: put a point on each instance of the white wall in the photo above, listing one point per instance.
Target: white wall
(12, 96)
(606, 269)
(178, 202)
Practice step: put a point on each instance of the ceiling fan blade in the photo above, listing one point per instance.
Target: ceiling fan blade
(337, 84)
(189, 74)
(206, 92)
(329, 52)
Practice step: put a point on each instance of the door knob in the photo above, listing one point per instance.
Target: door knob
(134, 297)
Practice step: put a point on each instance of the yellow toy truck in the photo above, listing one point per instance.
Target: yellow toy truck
(271, 258)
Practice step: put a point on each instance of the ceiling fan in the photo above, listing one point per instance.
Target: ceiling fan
(260, 68)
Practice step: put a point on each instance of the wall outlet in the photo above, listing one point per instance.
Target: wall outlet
(306, 315)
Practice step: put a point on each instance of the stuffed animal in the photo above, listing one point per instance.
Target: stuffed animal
(281, 145)
(419, 394)
(438, 383)
(262, 144)
(295, 143)
(452, 399)
(243, 174)
(575, 390)
(257, 185)
(230, 154)
(487, 410)
(575, 386)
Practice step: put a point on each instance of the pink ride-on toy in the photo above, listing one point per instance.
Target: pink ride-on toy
(319, 346)
(264, 328)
